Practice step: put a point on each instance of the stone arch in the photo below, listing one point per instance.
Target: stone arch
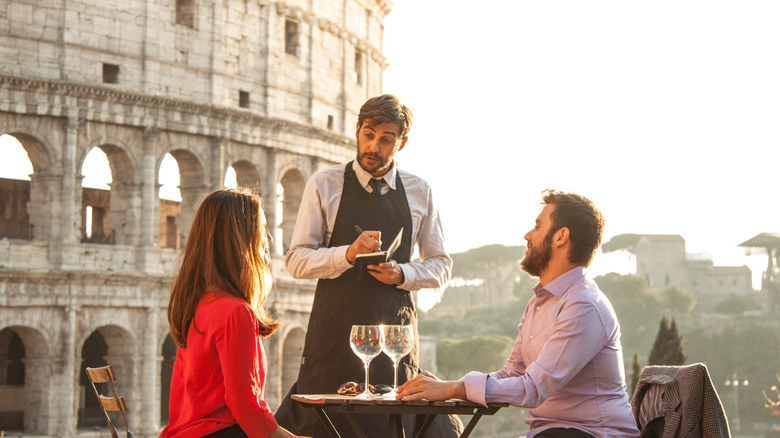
(194, 187)
(106, 345)
(30, 202)
(289, 193)
(169, 208)
(247, 175)
(292, 350)
(24, 378)
(119, 208)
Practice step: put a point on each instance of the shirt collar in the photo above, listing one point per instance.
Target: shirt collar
(560, 285)
(365, 177)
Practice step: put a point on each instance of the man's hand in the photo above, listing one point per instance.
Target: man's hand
(426, 386)
(367, 242)
(388, 272)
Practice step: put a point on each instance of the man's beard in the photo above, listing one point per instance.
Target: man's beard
(538, 257)
(381, 166)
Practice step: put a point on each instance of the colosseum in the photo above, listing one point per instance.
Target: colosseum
(265, 90)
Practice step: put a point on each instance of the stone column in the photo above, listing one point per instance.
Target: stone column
(70, 212)
(38, 377)
(149, 208)
(125, 213)
(271, 199)
(218, 165)
(150, 375)
(66, 400)
(191, 195)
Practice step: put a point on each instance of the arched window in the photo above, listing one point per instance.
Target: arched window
(15, 171)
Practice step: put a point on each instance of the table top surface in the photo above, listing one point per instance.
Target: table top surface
(338, 399)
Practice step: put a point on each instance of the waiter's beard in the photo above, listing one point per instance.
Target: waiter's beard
(382, 165)
(538, 258)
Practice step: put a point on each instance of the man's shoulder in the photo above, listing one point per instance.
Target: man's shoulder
(412, 181)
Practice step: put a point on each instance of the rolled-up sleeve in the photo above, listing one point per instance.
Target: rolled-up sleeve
(309, 257)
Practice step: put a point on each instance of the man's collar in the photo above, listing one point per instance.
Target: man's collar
(561, 284)
(364, 177)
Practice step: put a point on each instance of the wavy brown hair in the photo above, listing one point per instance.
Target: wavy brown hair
(227, 250)
(584, 221)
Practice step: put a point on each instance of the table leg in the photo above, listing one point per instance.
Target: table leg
(426, 425)
(472, 424)
(355, 426)
(326, 421)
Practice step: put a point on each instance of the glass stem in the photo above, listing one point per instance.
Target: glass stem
(395, 375)
(365, 388)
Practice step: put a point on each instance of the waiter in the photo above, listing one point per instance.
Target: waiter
(357, 208)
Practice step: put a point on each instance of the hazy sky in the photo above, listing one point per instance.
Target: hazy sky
(664, 113)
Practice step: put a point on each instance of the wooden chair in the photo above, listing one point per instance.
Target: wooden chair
(109, 403)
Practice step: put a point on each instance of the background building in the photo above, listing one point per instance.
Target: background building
(267, 88)
(663, 261)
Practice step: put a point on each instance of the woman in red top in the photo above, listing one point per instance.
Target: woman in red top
(217, 319)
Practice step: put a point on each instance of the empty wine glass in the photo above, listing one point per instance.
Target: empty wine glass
(396, 341)
(364, 340)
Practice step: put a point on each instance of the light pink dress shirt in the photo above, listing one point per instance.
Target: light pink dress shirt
(566, 364)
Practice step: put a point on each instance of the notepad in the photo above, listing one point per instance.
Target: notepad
(374, 258)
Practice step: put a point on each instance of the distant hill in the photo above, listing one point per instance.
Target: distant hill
(476, 263)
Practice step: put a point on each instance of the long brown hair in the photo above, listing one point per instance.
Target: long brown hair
(227, 250)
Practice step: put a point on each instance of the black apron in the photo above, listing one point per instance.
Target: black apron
(328, 361)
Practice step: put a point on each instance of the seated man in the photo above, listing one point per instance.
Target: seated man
(567, 362)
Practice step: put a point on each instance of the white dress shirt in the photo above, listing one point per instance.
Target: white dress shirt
(309, 256)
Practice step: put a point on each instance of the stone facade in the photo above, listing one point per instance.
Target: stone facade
(663, 261)
(268, 88)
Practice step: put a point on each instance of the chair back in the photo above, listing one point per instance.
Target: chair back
(110, 402)
(678, 402)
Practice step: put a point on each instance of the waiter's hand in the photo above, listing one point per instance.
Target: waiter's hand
(367, 242)
(427, 386)
(388, 272)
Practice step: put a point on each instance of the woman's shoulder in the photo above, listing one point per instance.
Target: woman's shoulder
(223, 303)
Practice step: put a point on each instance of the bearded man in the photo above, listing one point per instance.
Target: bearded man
(566, 365)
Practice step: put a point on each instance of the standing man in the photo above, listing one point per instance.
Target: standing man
(567, 362)
(352, 209)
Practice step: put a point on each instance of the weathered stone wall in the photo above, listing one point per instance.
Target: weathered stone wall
(214, 86)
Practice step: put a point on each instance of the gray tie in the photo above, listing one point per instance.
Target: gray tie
(377, 186)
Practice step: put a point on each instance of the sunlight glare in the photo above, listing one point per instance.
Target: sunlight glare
(169, 179)
(96, 170)
(15, 163)
(231, 181)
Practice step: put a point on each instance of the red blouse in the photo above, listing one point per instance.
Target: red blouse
(218, 379)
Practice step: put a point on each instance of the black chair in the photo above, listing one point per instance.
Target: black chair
(111, 403)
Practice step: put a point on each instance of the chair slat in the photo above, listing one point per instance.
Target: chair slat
(113, 404)
(101, 375)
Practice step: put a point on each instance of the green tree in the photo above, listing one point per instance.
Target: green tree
(736, 305)
(637, 308)
(636, 371)
(621, 242)
(667, 348)
(456, 357)
(679, 300)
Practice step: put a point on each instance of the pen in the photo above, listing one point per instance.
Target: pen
(358, 229)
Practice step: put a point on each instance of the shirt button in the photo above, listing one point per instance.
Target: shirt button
(532, 336)
(537, 308)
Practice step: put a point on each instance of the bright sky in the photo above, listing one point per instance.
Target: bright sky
(666, 114)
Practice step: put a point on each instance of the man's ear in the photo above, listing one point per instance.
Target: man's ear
(403, 143)
(561, 237)
(357, 130)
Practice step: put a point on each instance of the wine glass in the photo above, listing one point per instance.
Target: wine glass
(396, 341)
(364, 340)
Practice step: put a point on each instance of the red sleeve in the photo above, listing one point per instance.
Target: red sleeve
(242, 359)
